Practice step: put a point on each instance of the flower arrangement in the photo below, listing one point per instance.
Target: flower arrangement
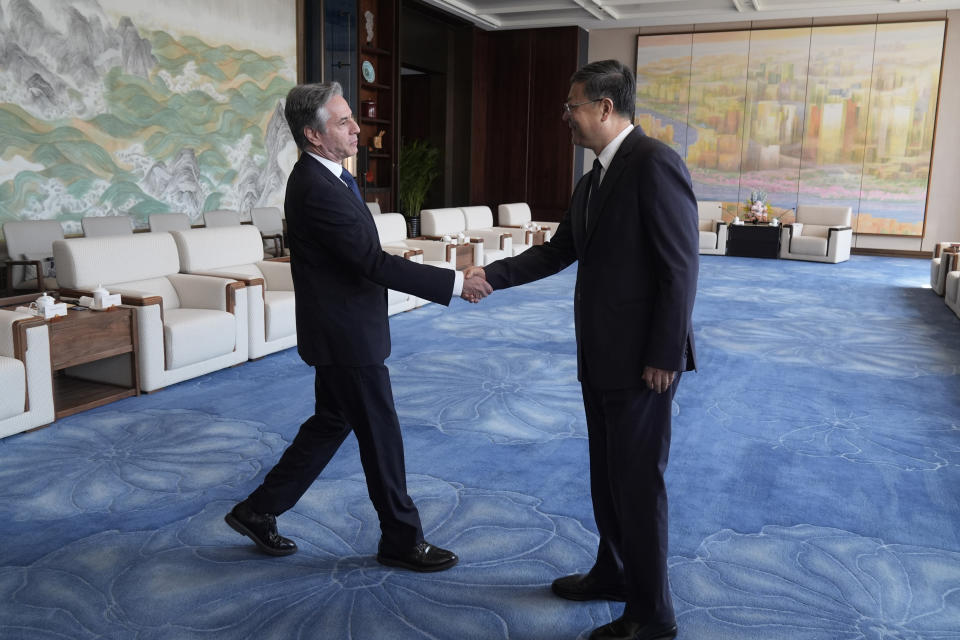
(757, 207)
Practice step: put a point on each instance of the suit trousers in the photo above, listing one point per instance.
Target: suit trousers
(629, 436)
(361, 399)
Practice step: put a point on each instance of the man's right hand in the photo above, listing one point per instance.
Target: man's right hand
(475, 287)
(470, 272)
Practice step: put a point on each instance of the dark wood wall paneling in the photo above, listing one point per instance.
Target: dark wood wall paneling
(521, 147)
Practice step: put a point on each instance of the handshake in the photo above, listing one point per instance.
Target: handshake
(475, 285)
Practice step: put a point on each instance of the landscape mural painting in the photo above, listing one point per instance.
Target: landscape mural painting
(102, 113)
(823, 115)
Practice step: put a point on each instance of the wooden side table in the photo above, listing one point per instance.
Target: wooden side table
(753, 240)
(82, 337)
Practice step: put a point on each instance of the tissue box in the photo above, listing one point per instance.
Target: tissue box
(50, 311)
(111, 300)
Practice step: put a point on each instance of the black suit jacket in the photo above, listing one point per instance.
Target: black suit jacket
(637, 276)
(341, 274)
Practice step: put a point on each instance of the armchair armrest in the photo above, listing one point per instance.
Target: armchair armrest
(132, 297)
(493, 237)
(404, 252)
(205, 292)
(13, 332)
(277, 241)
(37, 269)
(432, 249)
(277, 274)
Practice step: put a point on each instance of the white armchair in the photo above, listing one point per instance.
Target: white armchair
(392, 229)
(941, 265)
(269, 221)
(516, 215)
(187, 325)
(168, 222)
(99, 226)
(237, 253)
(27, 398)
(498, 242)
(820, 234)
(713, 230)
(436, 223)
(30, 246)
(951, 291)
(222, 218)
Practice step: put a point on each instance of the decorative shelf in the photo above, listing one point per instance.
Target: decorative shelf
(375, 51)
(374, 120)
(375, 85)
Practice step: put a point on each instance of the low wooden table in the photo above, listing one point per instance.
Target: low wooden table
(85, 336)
(82, 337)
(753, 240)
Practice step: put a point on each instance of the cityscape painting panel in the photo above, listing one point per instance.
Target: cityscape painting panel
(773, 131)
(717, 100)
(838, 97)
(899, 139)
(824, 115)
(663, 88)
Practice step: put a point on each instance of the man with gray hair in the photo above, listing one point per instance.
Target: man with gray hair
(340, 277)
(632, 227)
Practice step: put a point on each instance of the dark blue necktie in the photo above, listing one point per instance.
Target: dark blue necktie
(346, 177)
(593, 201)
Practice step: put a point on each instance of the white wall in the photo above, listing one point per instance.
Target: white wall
(943, 200)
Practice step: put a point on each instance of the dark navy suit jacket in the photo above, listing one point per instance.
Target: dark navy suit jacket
(638, 262)
(341, 274)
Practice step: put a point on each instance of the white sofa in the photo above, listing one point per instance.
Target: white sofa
(951, 293)
(237, 253)
(450, 221)
(820, 234)
(27, 398)
(517, 216)
(436, 223)
(713, 230)
(939, 267)
(392, 229)
(479, 223)
(187, 325)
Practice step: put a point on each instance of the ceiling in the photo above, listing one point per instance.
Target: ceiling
(610, 14)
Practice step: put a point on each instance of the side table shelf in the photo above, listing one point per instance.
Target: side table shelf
(82, 338)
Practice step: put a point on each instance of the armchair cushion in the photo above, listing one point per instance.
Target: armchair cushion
(13, 381)
(279, 314)
(195, 335)
(87, 262)
(276, 275)
(201, 292)
(439, 222)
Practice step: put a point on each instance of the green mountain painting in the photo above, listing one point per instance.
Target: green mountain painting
(100, 117)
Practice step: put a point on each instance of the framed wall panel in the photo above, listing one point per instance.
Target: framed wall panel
(814, 115)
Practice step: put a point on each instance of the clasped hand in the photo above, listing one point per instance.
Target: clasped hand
(475, 285)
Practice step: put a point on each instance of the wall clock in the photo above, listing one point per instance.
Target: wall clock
(368, 73)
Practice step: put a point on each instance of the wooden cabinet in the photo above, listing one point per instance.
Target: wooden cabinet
(377, 23)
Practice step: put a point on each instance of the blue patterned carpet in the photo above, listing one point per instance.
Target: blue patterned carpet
(814, 480)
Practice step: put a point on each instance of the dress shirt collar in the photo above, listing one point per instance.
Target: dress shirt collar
(606, 156)
(335, 167)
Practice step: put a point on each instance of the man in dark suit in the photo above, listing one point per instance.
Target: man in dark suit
(632, 225)
(340, 277)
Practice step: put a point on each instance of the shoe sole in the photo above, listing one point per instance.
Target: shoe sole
(584, 597)
(391, 562)
(238, 526)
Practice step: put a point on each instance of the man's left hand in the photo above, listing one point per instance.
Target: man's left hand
(658, 380)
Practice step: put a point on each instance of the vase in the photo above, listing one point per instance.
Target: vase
(413, 227)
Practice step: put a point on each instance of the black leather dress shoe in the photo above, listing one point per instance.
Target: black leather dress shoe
(422, 557)
(623, 629)
(583, 586)
(261, 528)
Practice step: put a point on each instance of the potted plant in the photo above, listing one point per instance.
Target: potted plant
(418, 167)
